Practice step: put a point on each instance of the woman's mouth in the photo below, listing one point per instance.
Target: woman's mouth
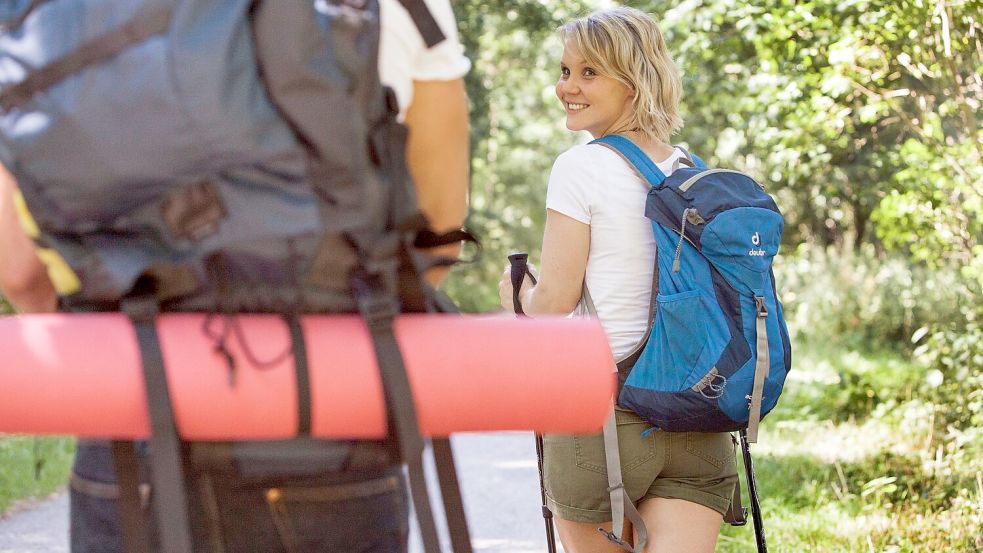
(575, 107)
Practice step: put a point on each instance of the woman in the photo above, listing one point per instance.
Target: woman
(616, 77)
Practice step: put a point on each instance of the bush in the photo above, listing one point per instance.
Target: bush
(859, 300)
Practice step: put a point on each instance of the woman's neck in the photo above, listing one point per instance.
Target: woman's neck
(656, 149)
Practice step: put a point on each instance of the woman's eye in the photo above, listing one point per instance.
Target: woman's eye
(589, 72)
(564, 72)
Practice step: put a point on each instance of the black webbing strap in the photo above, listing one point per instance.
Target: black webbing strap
(303, 376)
(547, 514)
(450, 492)
(379, 310)
(427, 238)
(127, 470)
(167, 473)
(450, 487)
(424, 21)
(138, 29)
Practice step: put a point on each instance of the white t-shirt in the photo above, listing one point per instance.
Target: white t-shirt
(404, 57)
(596, 186)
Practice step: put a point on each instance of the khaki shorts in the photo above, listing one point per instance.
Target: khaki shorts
(693, 466)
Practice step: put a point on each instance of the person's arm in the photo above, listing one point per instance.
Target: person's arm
(24, 280)
(438, 156)
(566, 244)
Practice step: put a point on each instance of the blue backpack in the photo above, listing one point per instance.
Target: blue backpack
(718, 350)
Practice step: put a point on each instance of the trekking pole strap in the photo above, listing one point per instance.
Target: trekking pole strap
(621, 504)
(519, 270)
(547, 514)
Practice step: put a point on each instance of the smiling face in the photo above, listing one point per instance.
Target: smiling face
(594, 103)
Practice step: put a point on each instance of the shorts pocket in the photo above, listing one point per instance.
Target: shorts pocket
(714, 448)
(634, 449)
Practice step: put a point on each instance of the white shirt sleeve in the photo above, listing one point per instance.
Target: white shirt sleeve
(571, 186)
(404, 57)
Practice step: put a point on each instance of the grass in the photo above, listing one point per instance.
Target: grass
(32, 467)
(853, 460)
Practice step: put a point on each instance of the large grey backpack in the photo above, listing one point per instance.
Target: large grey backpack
(223, 156)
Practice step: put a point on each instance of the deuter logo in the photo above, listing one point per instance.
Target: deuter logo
(756, 240)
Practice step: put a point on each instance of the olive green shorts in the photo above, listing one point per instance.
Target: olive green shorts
(693, 466)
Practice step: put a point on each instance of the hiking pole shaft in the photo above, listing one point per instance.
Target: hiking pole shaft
(752, 490)
(519, 269)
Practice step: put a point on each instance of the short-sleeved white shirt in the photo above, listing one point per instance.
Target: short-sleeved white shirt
(404, 57)
(594, 185)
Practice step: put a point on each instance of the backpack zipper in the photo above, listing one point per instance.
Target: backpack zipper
(688, 183)
(690, 215)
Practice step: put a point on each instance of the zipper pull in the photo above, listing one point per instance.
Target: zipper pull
(691, 215)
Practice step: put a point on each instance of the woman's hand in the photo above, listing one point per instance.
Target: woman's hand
(505, 288)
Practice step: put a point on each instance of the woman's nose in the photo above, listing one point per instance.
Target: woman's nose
(567, 86)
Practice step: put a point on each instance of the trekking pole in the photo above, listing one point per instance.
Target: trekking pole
(519, 263)
(752, 490)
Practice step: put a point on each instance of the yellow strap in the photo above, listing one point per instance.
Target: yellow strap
(63, 278)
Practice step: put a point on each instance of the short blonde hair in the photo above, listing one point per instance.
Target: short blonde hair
(627, 45)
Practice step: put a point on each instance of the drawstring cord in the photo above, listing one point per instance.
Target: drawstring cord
(692, 215)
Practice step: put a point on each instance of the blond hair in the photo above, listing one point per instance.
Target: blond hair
(626, 44)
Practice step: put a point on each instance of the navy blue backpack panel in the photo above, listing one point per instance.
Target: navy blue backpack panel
(717, 232)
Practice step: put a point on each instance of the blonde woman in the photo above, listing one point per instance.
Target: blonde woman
(616, 77)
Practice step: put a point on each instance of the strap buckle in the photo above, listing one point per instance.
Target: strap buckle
(759, 302)
(616, 540)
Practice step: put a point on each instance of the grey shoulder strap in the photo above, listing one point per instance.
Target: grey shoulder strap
(621, 505)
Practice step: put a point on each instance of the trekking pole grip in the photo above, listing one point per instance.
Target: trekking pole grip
(520, 268)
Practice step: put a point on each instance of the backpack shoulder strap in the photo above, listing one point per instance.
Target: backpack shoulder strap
(635, 157)
(424, 21)
(697, 162)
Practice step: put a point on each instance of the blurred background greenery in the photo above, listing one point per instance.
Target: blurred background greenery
(863, 119)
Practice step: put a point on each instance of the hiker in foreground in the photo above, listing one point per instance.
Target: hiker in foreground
(616, 78)
(265, 197)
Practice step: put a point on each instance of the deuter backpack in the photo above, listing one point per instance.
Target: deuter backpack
(716, 351)
(221, 156)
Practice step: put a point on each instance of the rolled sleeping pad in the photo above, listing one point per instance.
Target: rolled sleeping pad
(81, 374)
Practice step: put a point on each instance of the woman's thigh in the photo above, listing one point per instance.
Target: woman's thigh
(679, 526)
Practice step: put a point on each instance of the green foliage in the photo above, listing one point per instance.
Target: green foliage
(32, 466)
(516, 133)
(862, 116)
(894, 476)
(858, 299)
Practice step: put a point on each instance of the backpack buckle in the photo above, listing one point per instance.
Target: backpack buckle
(762, 309)
(375, 306)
